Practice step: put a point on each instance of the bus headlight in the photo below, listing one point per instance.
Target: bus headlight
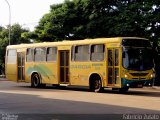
(125, 75)
(127, 85)
(152, 75)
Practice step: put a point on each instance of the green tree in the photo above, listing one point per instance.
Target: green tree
(79, 19)
(16, 31)
(50, 26)
(63, 22)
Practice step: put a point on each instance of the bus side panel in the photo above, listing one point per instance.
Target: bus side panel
(11, 72)
(50, 76)
(81, 71)
(29, 70)
(11, 64)
(47, 72)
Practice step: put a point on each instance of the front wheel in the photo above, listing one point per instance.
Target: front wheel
(96, 86)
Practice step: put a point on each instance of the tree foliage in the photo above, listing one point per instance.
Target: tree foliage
(79, 19)
(15, 38)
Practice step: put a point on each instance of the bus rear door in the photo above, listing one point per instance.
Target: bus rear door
(21, 66)
(64, 66)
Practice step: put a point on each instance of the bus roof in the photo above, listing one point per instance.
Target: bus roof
(74, 42)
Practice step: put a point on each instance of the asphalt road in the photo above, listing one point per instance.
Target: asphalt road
(20, 101)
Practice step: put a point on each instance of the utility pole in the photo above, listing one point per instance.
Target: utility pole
(9, 34)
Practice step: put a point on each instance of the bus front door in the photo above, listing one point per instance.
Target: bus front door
(64, 66)
(113, 67)
(21, 66)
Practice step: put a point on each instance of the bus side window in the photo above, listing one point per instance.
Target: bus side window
(97, 52)
(11, 56)
(82, 53)
(40, 54)
(29, 55)
(51, 54)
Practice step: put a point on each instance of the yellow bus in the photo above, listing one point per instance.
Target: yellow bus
(119, 63)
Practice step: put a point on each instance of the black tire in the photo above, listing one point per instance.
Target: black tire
(35, 81)
(42, 85)
(58, 86)
(123, 90)
(96, 86)
(115, 89)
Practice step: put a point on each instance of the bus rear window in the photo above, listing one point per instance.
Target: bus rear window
(11, 56)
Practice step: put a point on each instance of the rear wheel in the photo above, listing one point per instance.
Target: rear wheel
(35, 81)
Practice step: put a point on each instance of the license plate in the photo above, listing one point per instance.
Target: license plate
(139, 85)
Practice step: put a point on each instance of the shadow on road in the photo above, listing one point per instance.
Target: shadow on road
(150, 92)
(31, 102)
(136, 92)
(30, 106)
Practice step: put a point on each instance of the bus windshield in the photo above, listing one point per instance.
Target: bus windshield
(137, 58)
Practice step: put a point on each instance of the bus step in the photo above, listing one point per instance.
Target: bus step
(64, 84)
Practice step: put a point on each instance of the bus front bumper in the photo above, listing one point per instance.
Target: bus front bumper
(136, 83)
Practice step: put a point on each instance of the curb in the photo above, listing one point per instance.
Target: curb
(156, 87)
(3, 79)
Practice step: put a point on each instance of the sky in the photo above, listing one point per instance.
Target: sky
(27, 13)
